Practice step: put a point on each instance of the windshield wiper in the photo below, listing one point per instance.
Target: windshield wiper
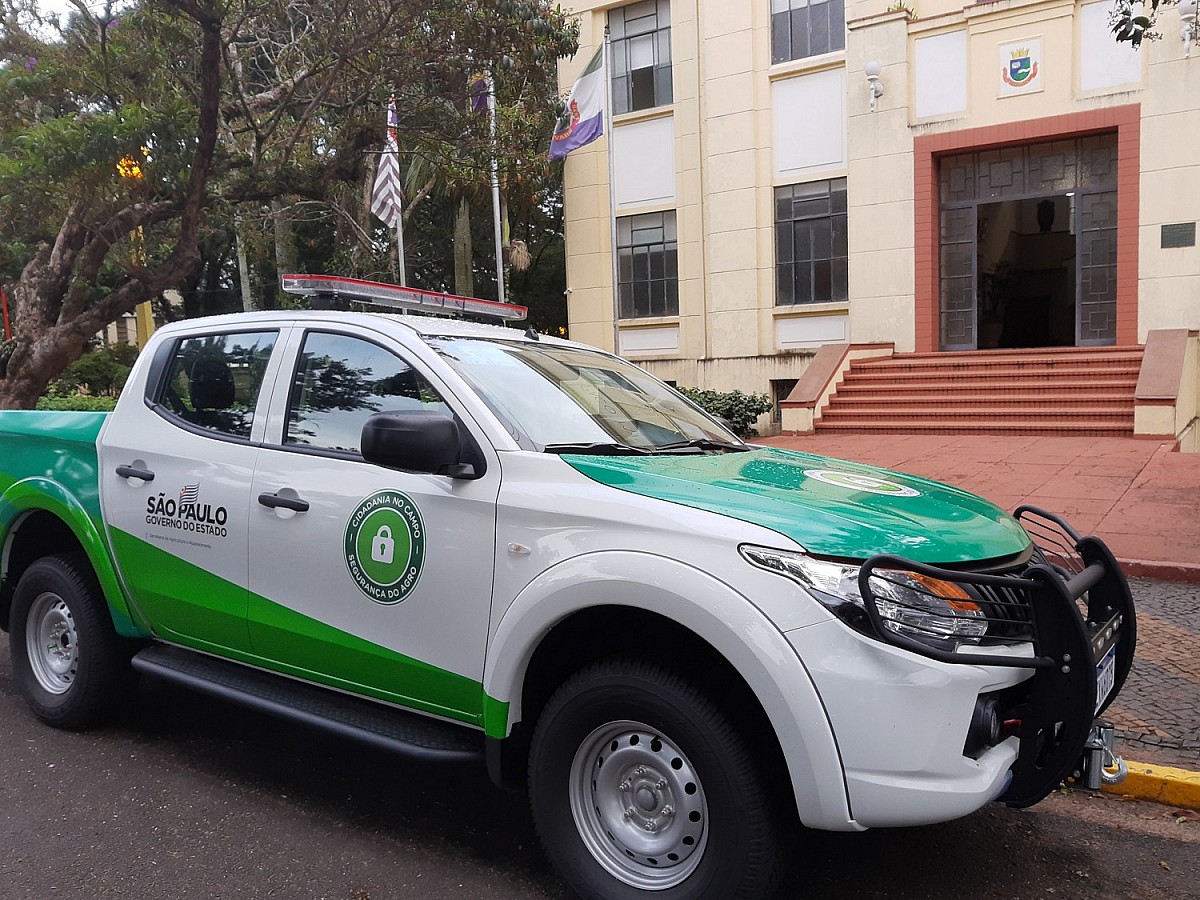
(701, 444)
(604, 448)
(597, 448)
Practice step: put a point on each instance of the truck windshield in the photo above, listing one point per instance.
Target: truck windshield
(567, 399)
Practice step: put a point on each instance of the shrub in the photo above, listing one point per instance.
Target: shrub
(101, 372)
(76, 402)
(738, 409)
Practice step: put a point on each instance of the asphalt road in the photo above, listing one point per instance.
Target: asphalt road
(187, 797)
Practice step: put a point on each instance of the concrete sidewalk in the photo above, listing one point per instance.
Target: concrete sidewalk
(1142, 499)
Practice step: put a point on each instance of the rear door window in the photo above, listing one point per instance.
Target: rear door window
(214, 381)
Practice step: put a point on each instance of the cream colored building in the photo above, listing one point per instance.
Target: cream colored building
(770, 198)
(136, 327)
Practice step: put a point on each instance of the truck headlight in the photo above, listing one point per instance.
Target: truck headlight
(940, 613)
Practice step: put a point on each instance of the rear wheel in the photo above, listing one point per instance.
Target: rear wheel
(641, 788)
(70, 665)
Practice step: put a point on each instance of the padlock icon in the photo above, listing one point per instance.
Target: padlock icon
(383, 548)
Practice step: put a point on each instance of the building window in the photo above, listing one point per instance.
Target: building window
(810, 243)
(641, 55)
(647, 266)
(803, 28)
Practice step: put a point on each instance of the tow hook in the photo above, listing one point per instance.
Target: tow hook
(1100, 765)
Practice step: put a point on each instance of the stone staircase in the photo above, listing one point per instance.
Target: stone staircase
(1045, 390)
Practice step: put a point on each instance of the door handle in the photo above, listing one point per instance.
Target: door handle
(274, 501)
(132, 472)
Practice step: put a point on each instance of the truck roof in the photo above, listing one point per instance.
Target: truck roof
(422, 325)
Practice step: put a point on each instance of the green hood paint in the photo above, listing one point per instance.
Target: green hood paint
(770, 487)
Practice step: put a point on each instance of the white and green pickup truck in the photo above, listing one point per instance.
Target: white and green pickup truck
(458, 540)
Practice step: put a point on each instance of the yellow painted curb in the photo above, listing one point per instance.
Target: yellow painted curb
(1163, 784)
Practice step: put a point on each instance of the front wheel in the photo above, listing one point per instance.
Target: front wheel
(70, 665)
(641, 788)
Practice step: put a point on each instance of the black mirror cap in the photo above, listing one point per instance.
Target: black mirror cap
(418, 441)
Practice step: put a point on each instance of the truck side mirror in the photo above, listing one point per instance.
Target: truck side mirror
(416, 441)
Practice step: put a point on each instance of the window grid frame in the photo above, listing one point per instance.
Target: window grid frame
(831, 269)
(797, 15)
(628, 282)
(624, 91)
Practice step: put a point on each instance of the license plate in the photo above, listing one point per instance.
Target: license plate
(1106, 676)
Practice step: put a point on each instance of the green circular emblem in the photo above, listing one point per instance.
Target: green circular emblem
(857, 481)
(385, 546)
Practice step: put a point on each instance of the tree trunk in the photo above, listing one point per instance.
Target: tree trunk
(33, 367)
(285, 238)
(363, 219)
(464, 276)
(243, 268)
(56, 313)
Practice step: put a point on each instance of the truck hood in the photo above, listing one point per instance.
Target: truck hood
(829, 506)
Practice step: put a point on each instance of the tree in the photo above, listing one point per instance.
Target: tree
(75, 113)
(224, 116)
(1135, 22)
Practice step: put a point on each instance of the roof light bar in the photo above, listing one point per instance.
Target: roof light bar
(396, 297)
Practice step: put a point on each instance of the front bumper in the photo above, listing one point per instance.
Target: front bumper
(900, 722)
(1073, 606)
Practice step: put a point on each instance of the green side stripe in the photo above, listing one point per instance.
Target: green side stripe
(495, 717)
(198, 605)
(322, 653)
(181, 598)
(48, 462)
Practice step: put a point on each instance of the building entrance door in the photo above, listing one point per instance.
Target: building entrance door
(1028, 245)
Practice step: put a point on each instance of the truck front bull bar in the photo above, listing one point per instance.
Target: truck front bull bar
(1072, 604)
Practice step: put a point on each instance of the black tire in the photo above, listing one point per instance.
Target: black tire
(674, 763)
(70, 665)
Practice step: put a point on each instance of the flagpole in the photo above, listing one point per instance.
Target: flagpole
(612, 191)
(400, 249)
(392, 139)
(491, 101)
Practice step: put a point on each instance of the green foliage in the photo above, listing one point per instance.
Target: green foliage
(445, 154)
(101, 372)
(738, 409)
(904, 7)
(303, 91)
(76, 403)
(1128, 21)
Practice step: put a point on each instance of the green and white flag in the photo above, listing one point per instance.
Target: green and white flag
(583, 119)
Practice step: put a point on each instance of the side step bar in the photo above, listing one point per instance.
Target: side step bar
(408, 734)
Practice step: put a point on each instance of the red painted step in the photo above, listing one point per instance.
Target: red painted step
(999, 387)
(1063, 428)
(1054, 390)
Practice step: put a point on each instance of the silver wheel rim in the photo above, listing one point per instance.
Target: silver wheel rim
(638, 805)
(52, 643)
